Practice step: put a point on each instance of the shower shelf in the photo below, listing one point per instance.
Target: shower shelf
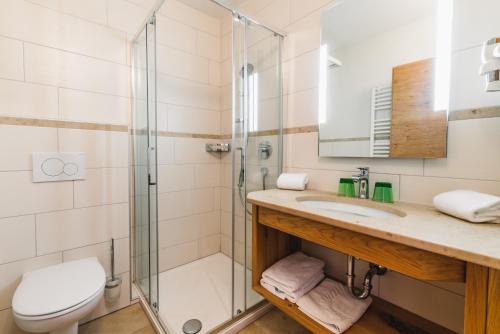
(217, 147)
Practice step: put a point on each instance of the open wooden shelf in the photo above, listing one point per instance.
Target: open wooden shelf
(370, 323)
(276, 235)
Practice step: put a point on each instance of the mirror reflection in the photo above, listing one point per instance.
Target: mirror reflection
(384, 78)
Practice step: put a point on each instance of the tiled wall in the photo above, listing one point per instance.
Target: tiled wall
(473, 160)
(190, 62)
(64, 63)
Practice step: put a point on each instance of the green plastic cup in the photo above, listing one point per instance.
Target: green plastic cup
(346, 188)
(383, 192)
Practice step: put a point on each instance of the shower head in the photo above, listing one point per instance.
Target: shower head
(250, 69)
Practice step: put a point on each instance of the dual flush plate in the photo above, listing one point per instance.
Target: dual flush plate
(50, 167)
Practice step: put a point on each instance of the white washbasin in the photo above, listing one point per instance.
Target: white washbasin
(354, 209)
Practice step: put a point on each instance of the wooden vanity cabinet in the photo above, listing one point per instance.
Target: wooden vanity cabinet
(277, 234)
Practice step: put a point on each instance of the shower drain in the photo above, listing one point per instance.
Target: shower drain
(192, 326)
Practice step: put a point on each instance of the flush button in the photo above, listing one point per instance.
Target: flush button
(49, 167)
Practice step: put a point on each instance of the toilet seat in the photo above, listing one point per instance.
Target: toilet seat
(57, 290)
(62, 312)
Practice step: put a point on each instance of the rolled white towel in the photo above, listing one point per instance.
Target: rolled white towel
(293, 181)
(333, 306)
(469, 205)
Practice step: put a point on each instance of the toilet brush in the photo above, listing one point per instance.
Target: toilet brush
(113, 284)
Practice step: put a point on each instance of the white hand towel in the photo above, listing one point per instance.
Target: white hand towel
(294, 271)
(469, 205)
(292, 181)
(293, 296)
(333, 306)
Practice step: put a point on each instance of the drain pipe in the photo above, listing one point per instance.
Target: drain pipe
(367, 282)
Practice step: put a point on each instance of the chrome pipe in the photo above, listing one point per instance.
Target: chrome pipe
(365, 292)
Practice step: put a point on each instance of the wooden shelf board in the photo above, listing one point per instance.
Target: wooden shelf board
(370, 323)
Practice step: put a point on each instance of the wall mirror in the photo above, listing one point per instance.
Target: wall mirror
(385, 78)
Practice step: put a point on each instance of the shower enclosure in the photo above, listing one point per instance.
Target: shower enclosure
(203, 74)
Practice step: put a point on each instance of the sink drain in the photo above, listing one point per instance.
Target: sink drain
(192, 326)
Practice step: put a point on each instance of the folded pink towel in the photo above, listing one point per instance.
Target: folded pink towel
(293, 272)
(276, 289)
(333, 306)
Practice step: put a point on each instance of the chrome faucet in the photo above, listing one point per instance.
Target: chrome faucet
(363, 181)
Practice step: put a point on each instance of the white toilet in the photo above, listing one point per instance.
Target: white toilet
(53, 299)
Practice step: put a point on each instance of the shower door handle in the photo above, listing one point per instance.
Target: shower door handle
(151, 171)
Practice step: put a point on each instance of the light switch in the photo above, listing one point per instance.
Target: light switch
(48, 167)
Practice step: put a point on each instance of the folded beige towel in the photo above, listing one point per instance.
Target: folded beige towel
(278, 290)
(293, 272)
(469, 205)
(333, 306)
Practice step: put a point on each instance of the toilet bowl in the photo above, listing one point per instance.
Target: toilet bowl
(53, 299)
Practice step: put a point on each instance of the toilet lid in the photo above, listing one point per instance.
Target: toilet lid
(56, 288)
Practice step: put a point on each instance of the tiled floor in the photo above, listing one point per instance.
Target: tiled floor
(201, 290)
(130, 320)
(275, 322)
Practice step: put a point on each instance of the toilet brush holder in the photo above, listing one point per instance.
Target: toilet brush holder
(112, 289)
(113, 284)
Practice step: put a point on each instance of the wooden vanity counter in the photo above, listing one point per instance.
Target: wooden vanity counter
(419, 242)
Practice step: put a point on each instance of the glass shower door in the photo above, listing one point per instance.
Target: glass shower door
(257, 139)
(145, 208)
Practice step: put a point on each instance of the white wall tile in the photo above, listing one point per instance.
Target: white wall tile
(184, 92)
(188, 15)
(208, 46)
(103, 253)
(300, 8)
(302, 108)
(209, 245)
(126, 16)
(162, 117)
(175, 178)
(193, 120)
(53, 67)
(18, 142)
(92, 10)
(303, 35)
(214, 73)
(64, 230)
(472, 152)
(182, 64)
(11, 59)
(50, 28)
(276, 14)
(182, 230)
(418, 189)
(301, 73)
(178, 255)
(42, 101)
(165, 150)
(183, 39)
(101, 148)
(17, 238)
(11, 273)
(207, 175)
(191, 150)
(21, 196)
(184, 203)
(82, 106)
(102, 186)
